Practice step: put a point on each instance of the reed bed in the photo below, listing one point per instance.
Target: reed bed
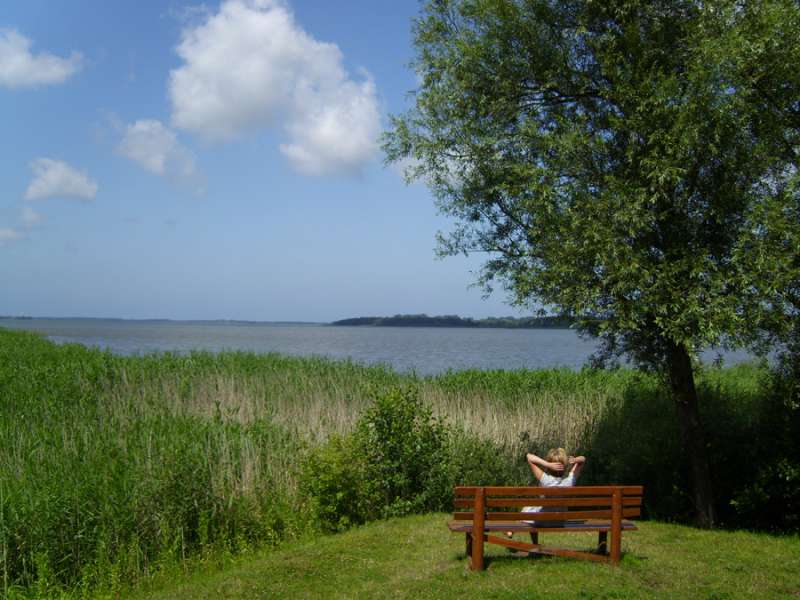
(316, 398)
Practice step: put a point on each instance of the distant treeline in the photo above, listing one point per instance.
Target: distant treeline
(456, 321)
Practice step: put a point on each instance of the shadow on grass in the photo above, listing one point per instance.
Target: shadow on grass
(517, 555)
(511, 557)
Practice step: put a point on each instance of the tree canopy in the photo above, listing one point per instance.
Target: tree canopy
(629, 163)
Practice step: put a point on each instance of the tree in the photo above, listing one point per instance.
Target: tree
(770, 248)
(616, 160)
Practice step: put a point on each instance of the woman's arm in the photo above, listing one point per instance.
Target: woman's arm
(537, 464)
(577, 463)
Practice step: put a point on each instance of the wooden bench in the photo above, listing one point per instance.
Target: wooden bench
(480, 511)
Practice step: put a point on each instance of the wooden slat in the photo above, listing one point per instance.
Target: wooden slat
(604, 501)
(553, 551)
(547, 516)
(550, 550)
(589, 525)
(508, 543)
(592, 490)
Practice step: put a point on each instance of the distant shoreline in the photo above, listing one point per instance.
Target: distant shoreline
(456, 321)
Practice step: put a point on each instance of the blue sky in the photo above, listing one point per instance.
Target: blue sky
(219, 160)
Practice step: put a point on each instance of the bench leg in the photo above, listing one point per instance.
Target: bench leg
(476, 562)
(535, 537)
(616, 525)
(469, 545)
(616, 547)
(478, 534)
(602, 542)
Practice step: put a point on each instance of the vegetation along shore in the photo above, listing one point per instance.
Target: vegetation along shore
(548, 322)
(114, 469)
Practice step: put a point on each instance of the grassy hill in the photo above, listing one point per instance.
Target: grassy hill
(417, 557)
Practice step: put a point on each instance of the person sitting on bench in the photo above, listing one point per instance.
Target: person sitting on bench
(549, 472)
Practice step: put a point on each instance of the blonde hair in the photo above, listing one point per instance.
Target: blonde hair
(558, 455)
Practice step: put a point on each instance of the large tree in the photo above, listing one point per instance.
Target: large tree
(617, 161)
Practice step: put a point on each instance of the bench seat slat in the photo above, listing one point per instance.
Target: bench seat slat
(601, 501)
(590, 525)
(594, 490)
(547, 516)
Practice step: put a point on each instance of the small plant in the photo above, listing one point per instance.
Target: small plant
(394, 463)
(405, 453)
(478, 461)
(333, 482)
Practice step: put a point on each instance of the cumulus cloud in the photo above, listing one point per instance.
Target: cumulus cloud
(20, 68)
(8, 235)
(251, 66)
(55, 178)
(156, 148)
(29, 217)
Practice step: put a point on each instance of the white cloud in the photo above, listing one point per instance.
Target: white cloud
(334, 133)
(20, 68)
(250, 66)
(57, 178)
(156, 148)
(29, 217)
(8, 235)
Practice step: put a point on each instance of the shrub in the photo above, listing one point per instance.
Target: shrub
(332, 479)
(394, 463)
(477, 461)
(769, 496)
(405, 454)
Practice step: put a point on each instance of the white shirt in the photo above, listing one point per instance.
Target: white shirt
(551, 481)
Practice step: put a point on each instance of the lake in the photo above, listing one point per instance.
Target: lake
(425, 350)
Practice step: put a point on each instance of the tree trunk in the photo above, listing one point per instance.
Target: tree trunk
(681, 379)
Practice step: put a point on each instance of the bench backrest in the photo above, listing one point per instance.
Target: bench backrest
(493, 503)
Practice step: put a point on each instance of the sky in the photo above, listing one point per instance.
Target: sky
(167, 159)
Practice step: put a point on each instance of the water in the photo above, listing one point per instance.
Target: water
(424, 350)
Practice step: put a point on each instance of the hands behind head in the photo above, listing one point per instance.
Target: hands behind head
(555, 466)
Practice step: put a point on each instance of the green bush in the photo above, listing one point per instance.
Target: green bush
(768, 496)
(476, 461)
(332, 479)
(395, 462)
(404, 449)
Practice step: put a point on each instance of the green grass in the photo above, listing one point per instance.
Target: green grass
(417, 557)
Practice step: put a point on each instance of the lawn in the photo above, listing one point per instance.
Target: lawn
(417, 557)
